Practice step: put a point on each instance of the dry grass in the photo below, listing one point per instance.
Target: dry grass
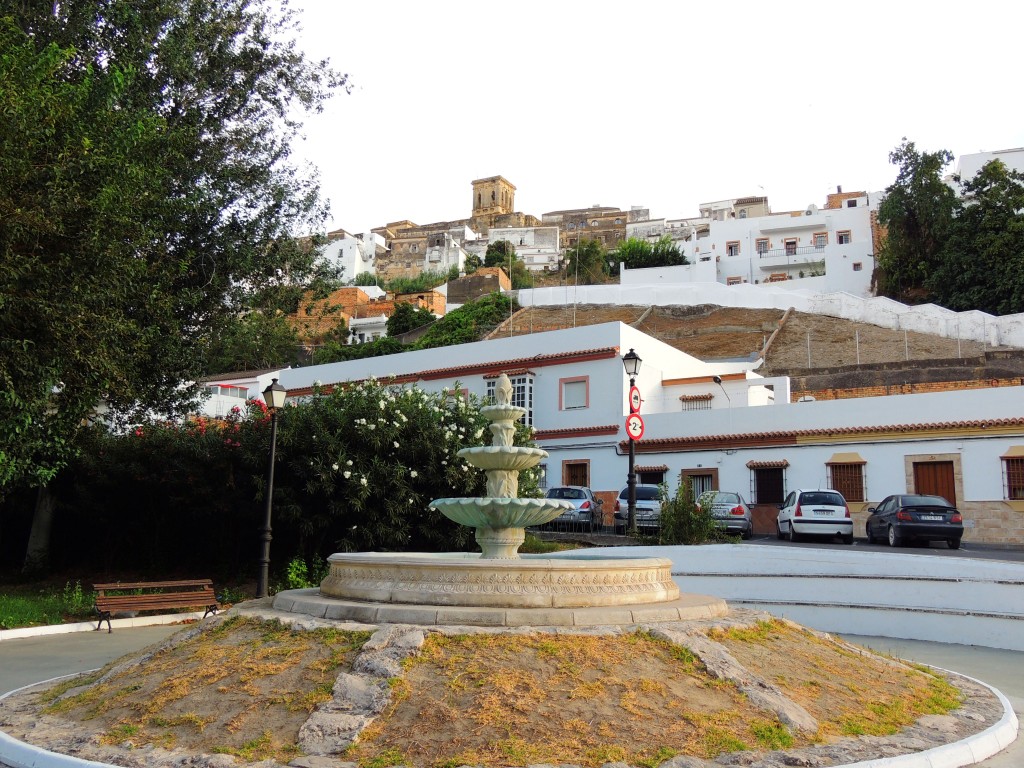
(245, 687)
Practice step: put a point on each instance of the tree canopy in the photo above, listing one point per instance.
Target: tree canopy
(964, 252)
(501, 253)
(586, 263)
(640, 254)
(147, 198)
(407, 317)
(917, 212)
(982, 264)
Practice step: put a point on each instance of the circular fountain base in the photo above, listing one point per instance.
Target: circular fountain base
(529, 591)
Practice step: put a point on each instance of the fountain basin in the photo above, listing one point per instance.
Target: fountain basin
(502, 457)
(490, 512)
(528, 582)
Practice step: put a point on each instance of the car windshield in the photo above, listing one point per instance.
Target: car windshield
(822, 497)
(566, 493)
(925, 501)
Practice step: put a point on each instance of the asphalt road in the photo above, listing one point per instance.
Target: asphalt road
(934, 549)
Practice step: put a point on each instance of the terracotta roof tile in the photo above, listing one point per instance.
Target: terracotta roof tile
(555, 434)
(653, 468)
(768, 464)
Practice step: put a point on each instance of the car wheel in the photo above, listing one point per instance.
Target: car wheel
(793, 535)
(953, 543)
(848, 538)
(895, 540)
(746, 534)
(778, 532)
(867, 532)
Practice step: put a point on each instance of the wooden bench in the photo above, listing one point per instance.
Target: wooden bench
(153, 596)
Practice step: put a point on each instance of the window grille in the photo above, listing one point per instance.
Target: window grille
(1013, 479)
(848, 479)
(522, 395)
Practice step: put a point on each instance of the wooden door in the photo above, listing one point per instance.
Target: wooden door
(935, 478)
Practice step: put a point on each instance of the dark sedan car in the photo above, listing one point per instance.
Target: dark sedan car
(906, 517)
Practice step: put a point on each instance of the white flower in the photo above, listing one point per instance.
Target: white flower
(334, 467)
(371, 426)
(383, 405)
(444, 462)
(395, 443)
(347, 474)
(414, 473)
(317, 383)
(348, 463)
(478, 433)
(362, 481)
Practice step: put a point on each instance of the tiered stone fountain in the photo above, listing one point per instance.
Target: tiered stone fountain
(499, 587)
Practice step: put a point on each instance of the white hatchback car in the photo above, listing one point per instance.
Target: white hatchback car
(814, 513)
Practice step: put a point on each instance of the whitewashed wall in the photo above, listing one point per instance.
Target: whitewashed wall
(658, 289)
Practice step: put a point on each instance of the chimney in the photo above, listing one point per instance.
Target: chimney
(839, 190)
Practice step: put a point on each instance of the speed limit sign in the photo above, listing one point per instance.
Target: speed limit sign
(634, 426)
(634, 400)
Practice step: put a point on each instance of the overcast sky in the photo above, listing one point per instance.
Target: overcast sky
(657, 104)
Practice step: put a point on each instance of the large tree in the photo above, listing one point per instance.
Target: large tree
(982, 265)
(917, 212)
(501, 253)
(585, 263)
(146, 198)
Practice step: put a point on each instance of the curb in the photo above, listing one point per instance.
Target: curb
(86, 626)
(969, 751)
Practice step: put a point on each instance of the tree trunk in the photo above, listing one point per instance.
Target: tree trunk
(37, 554)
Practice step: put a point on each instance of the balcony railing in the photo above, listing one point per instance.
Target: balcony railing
(803, 250)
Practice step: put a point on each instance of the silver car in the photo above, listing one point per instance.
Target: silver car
(729, 510)
(585, 515)
(648, 508)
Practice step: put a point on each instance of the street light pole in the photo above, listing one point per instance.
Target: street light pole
(274, 396)
(631, 362)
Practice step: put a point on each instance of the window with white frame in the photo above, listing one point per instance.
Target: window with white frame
(575, 393)
(732, 248)
(844, 237)
(522, 394)
(820, 239)
(761, 245)
(1013, 474)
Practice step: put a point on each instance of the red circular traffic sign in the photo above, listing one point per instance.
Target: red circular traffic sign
(634, 426)
(634, 400)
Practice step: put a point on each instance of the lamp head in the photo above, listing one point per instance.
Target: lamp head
(631, 362)
(717, 380)
(274, 395)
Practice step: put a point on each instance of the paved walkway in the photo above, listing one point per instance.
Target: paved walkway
(31, 660)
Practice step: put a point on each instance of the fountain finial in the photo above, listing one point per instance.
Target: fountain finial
(503, 390)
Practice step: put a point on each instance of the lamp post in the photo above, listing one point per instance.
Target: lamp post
(274, 397)
(631, 362)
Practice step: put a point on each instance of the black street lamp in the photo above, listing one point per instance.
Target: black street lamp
(631, 361)
(274, 397)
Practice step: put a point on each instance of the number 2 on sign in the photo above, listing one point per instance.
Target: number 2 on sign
(634, 426)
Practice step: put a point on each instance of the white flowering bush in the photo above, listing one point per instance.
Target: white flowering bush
(358, 467)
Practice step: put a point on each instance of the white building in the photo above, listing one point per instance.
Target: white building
(445, 250)
(967, 166)
(536, 247)
(741, 433)
(739, 241)
(355, 254)
(230, 390)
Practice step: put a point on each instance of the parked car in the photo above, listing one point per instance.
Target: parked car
(905, 517)
(648, 507)
(814, 512)
(729, 510)
(587, 512)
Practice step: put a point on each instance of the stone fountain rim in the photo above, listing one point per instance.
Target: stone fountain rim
(475, 560)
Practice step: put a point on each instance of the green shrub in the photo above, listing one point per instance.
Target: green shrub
(683, 523)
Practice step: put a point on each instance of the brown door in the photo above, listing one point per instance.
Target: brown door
(935, 478)
(577, 473)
